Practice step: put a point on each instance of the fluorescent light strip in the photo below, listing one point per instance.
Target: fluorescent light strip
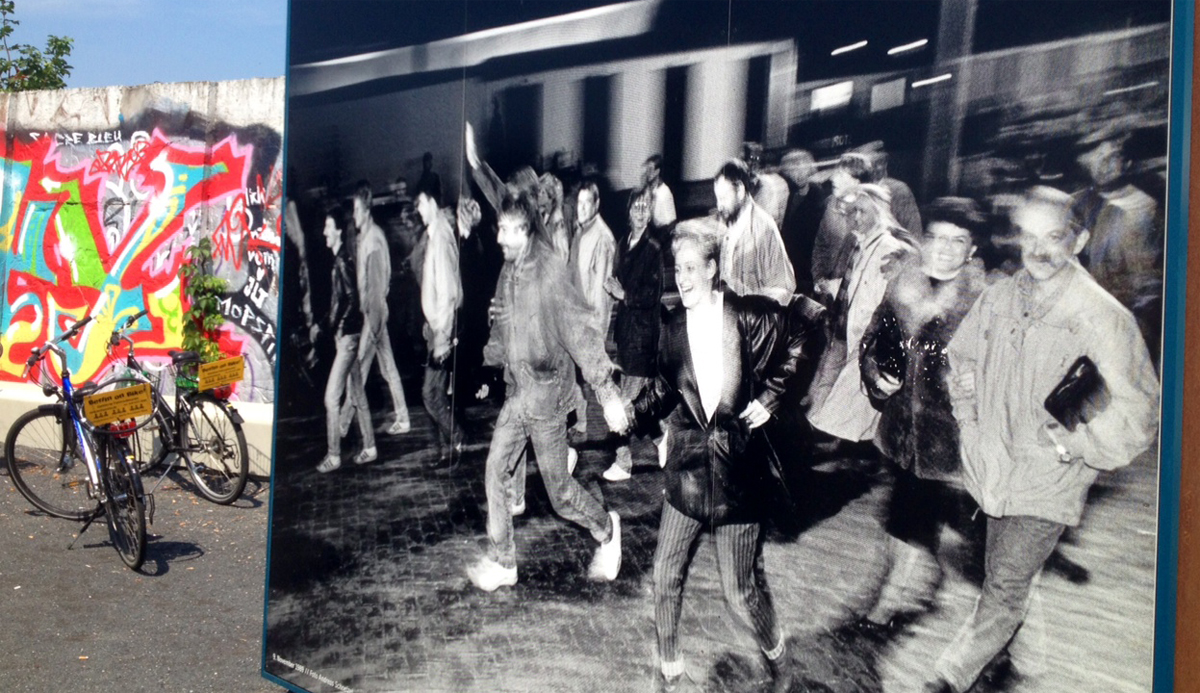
(932, 80)
(1125, 90)
(847, 49)
(907, 47)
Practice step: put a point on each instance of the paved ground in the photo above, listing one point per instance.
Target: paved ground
(79, 620)
(368, 591)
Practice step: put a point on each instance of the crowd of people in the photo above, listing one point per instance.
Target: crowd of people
(1020, 381)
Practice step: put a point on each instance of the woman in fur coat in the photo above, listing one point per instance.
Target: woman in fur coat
(904, 370)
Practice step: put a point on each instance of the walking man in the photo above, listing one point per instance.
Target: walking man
(541, 331)
(1029, 471)
(753, 259)
(374, 266)
(441, 296)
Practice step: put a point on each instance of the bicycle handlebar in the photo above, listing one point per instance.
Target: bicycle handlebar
(50, 345)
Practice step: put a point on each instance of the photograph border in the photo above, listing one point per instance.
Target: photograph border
(1176, 634)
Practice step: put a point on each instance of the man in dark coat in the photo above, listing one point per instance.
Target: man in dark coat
(722, 366)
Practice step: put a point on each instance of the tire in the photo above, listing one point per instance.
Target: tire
(46, 465)
(215, 449)
(124, 508)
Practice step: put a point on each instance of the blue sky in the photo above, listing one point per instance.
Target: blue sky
(128, 42)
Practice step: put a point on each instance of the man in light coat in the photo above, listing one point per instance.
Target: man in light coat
(753, 259)
(441, 297)
(1029, 473)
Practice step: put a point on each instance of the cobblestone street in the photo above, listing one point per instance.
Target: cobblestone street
(368, 590)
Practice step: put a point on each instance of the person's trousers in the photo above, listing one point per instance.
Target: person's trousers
(569, 499)
(914, 523)
(739, 562)
(344, 378)
(1015, 551)
(380, 348)
(437, 401)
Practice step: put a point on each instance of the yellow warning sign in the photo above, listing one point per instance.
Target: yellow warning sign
(221, 373)
(118, 405)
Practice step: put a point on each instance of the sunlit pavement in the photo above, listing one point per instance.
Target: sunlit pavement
(369, 588)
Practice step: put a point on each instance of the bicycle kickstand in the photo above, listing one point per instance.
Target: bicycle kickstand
(87, 523)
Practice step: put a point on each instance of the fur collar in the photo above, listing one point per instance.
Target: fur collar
(916, 300)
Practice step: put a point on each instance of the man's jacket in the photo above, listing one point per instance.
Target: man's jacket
(543, 329)
(1008, 355)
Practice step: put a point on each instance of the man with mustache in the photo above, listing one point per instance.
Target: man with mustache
(1027, 470)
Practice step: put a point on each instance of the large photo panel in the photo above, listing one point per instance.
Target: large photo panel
(669, 345)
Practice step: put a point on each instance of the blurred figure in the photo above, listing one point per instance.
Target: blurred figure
(839, 406)
(441, 296)
(541, 331)
(591, 262)
(374, 266)
(550, 205)
(1028, 470)
(904, 368)
(723, 364)
(802, 218)
(753, 260)
(1125, 253)
(636, 286)
(662, 205)
(769, 189)
(345, 322)
(429, 179)
(834, 243)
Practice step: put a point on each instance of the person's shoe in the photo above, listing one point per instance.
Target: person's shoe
(607, 561)
(669, 684)
(572, 460)
(517, 509)
(938, 685)
(398, 427)
(783, 673)
(367, 455)
(615, 473)
(330, 463)
(489, 575)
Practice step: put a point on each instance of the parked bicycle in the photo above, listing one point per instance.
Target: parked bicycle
(71, 469)
(201, 430)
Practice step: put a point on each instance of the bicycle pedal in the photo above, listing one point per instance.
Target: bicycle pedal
(148, 504)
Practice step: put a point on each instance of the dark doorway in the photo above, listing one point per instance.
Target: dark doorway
(597, 117)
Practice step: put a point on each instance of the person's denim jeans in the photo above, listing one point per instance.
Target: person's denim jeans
(345, 378)
(569, 498)
(380, 348)
(1017, 548)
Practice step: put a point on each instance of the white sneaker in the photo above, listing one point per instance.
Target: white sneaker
(399, 427)
(330, 463)
(607, 561)
(367, 455)
(616, 473)
(572, 460)
(488, 575)
(517, 508)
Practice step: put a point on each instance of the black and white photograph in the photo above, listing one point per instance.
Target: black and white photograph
(674, 345)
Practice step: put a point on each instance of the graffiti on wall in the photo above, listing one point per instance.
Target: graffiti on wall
(96, 223)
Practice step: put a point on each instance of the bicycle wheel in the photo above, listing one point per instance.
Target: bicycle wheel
(124, 509)
(151, 443)
(46, 465)
(215, 449)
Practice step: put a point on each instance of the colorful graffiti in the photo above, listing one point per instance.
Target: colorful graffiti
(97, 224)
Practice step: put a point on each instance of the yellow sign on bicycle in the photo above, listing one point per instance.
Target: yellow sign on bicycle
(221, 373)
(118, 405)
